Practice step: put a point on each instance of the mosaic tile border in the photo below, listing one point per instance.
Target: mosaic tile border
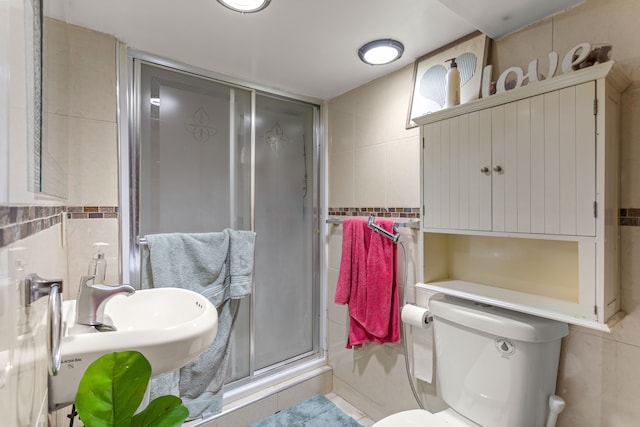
(381, 212)
(630, 217)
(20, 222)
(92, 212)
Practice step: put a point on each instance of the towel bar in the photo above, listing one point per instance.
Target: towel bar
(400, 222)
(395, 236)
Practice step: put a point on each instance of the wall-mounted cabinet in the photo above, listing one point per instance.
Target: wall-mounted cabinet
(520, 197)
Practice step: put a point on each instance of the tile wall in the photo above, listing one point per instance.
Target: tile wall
(373, 161)
(374, 167)
(48, 235)
(32, 239)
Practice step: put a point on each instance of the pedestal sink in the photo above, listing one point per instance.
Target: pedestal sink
(169, 326)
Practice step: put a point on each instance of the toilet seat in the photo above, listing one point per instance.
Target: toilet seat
(422, 418)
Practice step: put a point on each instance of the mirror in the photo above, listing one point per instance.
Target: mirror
(33, 47)
(48, 107)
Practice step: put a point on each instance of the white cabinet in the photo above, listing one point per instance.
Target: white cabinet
(504, 169)
(520, 197)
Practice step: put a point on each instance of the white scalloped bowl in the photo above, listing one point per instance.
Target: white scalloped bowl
(171, 327)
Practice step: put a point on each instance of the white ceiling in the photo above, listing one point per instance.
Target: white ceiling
(303, 47)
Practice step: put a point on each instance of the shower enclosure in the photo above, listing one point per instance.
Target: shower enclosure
(204, 155)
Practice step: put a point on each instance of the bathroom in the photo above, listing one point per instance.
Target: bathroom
(597, 375)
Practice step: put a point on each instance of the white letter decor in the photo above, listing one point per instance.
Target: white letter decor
(575, 56)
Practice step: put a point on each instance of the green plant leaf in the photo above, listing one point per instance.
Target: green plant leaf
(164, 411)
(112, 388)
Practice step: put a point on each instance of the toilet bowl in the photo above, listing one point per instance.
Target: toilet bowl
(422, 418)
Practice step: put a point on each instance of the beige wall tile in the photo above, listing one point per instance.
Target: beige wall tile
(341, 179)
(402, 163)
(364, 369)
(602, 21)
(341, 125)
(300, 392)
(369, 104)
(336, 339)
(355, 397)
(630, 147)
(81, 234)
(338, 313)
(519, 49)
(92, 91)
(250, 414)
(620, 407)
(55, 154)
(586, 365)
(410, 239)
(398, 89)
(56, 82)
(370, 176)
(398, 391)
(93, 163)
(335, 247)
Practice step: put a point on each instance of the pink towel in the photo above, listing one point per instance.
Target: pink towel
(367, 282)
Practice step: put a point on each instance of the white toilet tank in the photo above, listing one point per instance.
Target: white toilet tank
(496, 367)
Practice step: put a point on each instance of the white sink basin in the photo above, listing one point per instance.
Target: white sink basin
(169, 326)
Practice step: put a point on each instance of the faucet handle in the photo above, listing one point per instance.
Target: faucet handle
(85, 279)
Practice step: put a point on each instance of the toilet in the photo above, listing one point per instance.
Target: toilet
(494, 367)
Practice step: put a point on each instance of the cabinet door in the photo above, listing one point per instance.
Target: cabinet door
(457, 172)
(543, 157)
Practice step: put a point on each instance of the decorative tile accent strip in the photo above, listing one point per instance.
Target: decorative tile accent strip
(19, 222)
(92, 212)
(381, 212)
(630, 216)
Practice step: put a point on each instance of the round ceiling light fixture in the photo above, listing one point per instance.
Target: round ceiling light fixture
(379, 52)
(245, 6)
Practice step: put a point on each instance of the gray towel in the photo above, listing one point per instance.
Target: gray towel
(201, 382)
(220, 267)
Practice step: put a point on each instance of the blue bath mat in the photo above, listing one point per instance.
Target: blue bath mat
(317, 411)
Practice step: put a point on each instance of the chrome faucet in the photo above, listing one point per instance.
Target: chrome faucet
(92, 298)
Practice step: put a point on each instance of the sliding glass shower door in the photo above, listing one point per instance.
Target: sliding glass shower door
(206, 155)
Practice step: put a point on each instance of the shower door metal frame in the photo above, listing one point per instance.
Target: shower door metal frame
(128, 63)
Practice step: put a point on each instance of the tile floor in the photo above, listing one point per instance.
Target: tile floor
(350, 410)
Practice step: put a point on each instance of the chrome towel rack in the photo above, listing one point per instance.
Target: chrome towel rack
(395, 236)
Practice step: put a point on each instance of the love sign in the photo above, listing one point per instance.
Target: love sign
(516, 77)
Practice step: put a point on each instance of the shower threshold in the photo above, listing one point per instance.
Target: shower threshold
(267, 395)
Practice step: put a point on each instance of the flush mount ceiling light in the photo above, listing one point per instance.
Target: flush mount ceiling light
(245, 6)
(380, 52)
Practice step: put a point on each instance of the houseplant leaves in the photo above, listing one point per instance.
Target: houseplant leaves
(163, 411)
(112, 389)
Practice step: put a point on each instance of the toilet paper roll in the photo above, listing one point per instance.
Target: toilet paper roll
(421, 341)
(415, 316)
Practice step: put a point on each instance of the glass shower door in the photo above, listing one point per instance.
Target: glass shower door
(194, 153)
(284, 223)
(194, 158)
(208, 155)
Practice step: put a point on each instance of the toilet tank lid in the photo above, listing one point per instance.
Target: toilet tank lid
(495, 320)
